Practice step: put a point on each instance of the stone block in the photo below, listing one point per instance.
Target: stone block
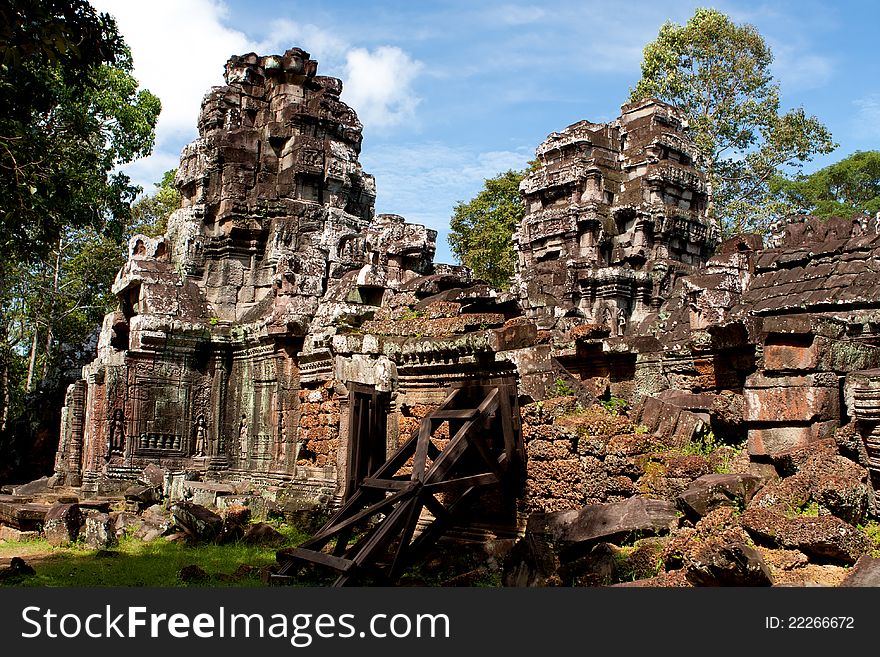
(788, 399)
(197, 521)
(13, 535)
(98, 531)
(773, 440)
(605, 521)
(62, 525)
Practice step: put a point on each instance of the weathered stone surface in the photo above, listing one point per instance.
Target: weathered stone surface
(144, 496)
(62, 525)
(823, 537)
(586, 224)
(235, 523)
(713, 490)
(727, 564)
(197, 521)
(153, 476)
(16, 571)
(13, 535)
(40, 485)
(865, 572)
(261, 533)
(98, 531)
(605, 521)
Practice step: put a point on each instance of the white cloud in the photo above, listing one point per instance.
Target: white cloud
(325, 46)
(378, 85)
(797, 69)
(867, 119)
(424, 181)
(180, 47)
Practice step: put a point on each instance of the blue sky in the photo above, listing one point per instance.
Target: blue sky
(451, 93)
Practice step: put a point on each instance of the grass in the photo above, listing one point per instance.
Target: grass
(156, 564)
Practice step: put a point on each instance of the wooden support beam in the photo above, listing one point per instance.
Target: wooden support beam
(328, 531)
(385, 484)
(336, 563)
(485, 479)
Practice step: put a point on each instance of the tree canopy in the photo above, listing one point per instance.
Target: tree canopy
(70, 115)
(718, 74)
(481, 230)
(843, 189)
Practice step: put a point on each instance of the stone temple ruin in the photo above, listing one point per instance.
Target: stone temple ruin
(281, 342)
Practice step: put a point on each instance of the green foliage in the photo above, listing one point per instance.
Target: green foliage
(614, 405)
(704, 445)
(560, 388)
(718, 74)
(70, 115)
(149, 214)
(481, 230)
(872, 530)
(843, 189)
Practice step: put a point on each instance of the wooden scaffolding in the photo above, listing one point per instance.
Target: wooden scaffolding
(373, 537)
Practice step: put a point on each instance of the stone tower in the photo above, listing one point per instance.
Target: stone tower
(198, 368)
(615, 212)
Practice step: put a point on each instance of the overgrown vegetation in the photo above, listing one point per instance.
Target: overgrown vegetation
(156, 563)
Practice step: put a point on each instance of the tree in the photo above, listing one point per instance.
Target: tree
(70, 114)
(482, 229)
(843, 189)
(149, 214)
(718, 74)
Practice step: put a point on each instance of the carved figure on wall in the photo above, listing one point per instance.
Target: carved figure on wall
(201, 437)
(621, 321)
(117, 432)
(243, 436)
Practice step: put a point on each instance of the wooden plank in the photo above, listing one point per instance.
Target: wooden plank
(433, 531)
(506, 418)
(400, 556)
(491, 462)
(449, 455)
(434, 506)
(421, 455)
(485, 479)
(383, 535)
(454, 414)
(312, 556)
(328, 532)
(385, 484)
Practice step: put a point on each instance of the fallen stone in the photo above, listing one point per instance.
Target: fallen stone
(865, 573)
(143, 495)
(17, 569)
(605, 521)
(531, 563)
(713, 490)
(40, 485)
(63, 522)
(197, 521)
(727, 564)
(98, 531)
(262, 533)
(235, 522)
(192, 573)
(822, 538)
(13, 535)
(153, 476)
